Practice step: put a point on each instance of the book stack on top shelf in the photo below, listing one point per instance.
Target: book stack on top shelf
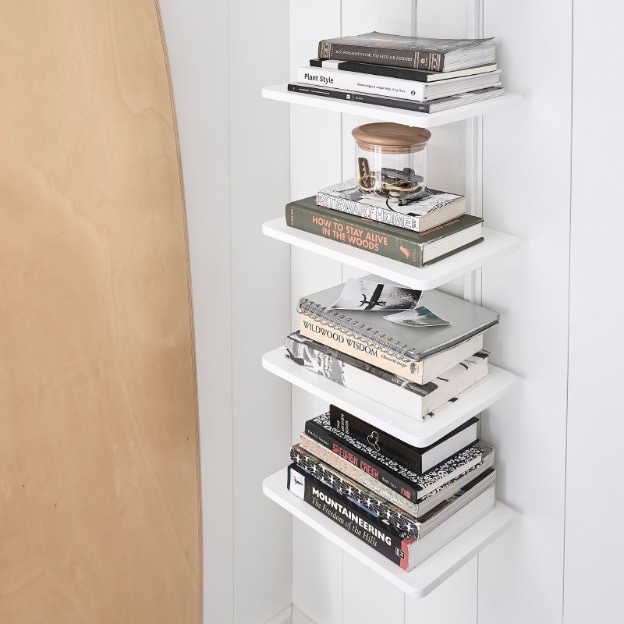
(405, 501)
(413, 73)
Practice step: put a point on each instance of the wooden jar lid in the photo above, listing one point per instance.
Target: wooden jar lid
(390, 137)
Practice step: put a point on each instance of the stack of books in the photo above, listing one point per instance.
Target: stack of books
(413, 73)
(416, 371)
(418, 231)
(404, 501)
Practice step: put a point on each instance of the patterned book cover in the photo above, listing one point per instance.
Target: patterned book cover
(386, 469)
(414, 508)
(420, 401)
(397, 517)
(418, 459)
(429, 209)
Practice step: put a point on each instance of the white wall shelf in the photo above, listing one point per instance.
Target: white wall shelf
(410, 430)
(421, 580)
(495, 245)
(385, 113)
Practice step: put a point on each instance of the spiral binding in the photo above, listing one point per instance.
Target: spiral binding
(336, 319)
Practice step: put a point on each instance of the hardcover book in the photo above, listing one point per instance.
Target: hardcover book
(465, 320)
(387, 469)
(414, 508)
(441, 55)
(405, 73)
(435, 106)
(420, 372)
(406, 552)
(406, 246)
(429, 209)
(417, 459)
(387, 511)
(409, 398)
(396, 87)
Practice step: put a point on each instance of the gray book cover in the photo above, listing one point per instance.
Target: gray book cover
(466, 320)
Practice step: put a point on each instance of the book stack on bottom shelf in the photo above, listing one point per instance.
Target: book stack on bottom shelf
(377, 488)
(401, 500)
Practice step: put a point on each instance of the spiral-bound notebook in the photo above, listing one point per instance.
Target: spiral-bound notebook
(413, 343)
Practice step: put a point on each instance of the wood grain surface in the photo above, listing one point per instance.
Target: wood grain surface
(99, 483)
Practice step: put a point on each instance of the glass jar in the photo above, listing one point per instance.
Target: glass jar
(391, 159)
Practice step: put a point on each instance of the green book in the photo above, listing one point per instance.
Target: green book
(417, 249)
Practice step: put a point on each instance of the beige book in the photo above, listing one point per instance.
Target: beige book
(419, 371)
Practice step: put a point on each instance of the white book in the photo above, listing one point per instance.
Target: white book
(418, 401)
(396, 87)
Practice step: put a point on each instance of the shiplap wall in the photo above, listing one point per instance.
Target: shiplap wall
(594, 545)
(549, 171)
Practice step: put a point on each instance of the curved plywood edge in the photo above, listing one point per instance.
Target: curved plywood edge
(99, 483)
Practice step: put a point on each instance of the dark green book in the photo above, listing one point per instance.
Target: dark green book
(417, 249)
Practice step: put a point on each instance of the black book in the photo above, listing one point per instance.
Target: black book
(366, 526)
(387, 469)
(403, 73)
(417, 459)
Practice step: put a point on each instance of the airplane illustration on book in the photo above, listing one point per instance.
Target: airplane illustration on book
(374, 300)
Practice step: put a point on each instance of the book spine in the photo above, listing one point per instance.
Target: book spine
(350, 470)
(362, 236)
(364, 83)
(362, 524)
(364, 211)
(416, 59)
(406, 523)
(356, 492)
(375, 469)
(345, 342)
(415, 508)
(363, 98)
(376, 439)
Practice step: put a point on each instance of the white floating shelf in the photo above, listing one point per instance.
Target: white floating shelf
(422, 579)
(413, 432)
(494, 245)
(386, 113)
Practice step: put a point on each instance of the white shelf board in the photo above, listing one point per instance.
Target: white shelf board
(281, 93)
(422, 579)
(494, 245)
(413, 432)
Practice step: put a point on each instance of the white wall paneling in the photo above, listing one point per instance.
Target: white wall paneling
(531, 142)
(595, 427)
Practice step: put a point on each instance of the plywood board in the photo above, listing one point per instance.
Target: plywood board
(99, 484)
